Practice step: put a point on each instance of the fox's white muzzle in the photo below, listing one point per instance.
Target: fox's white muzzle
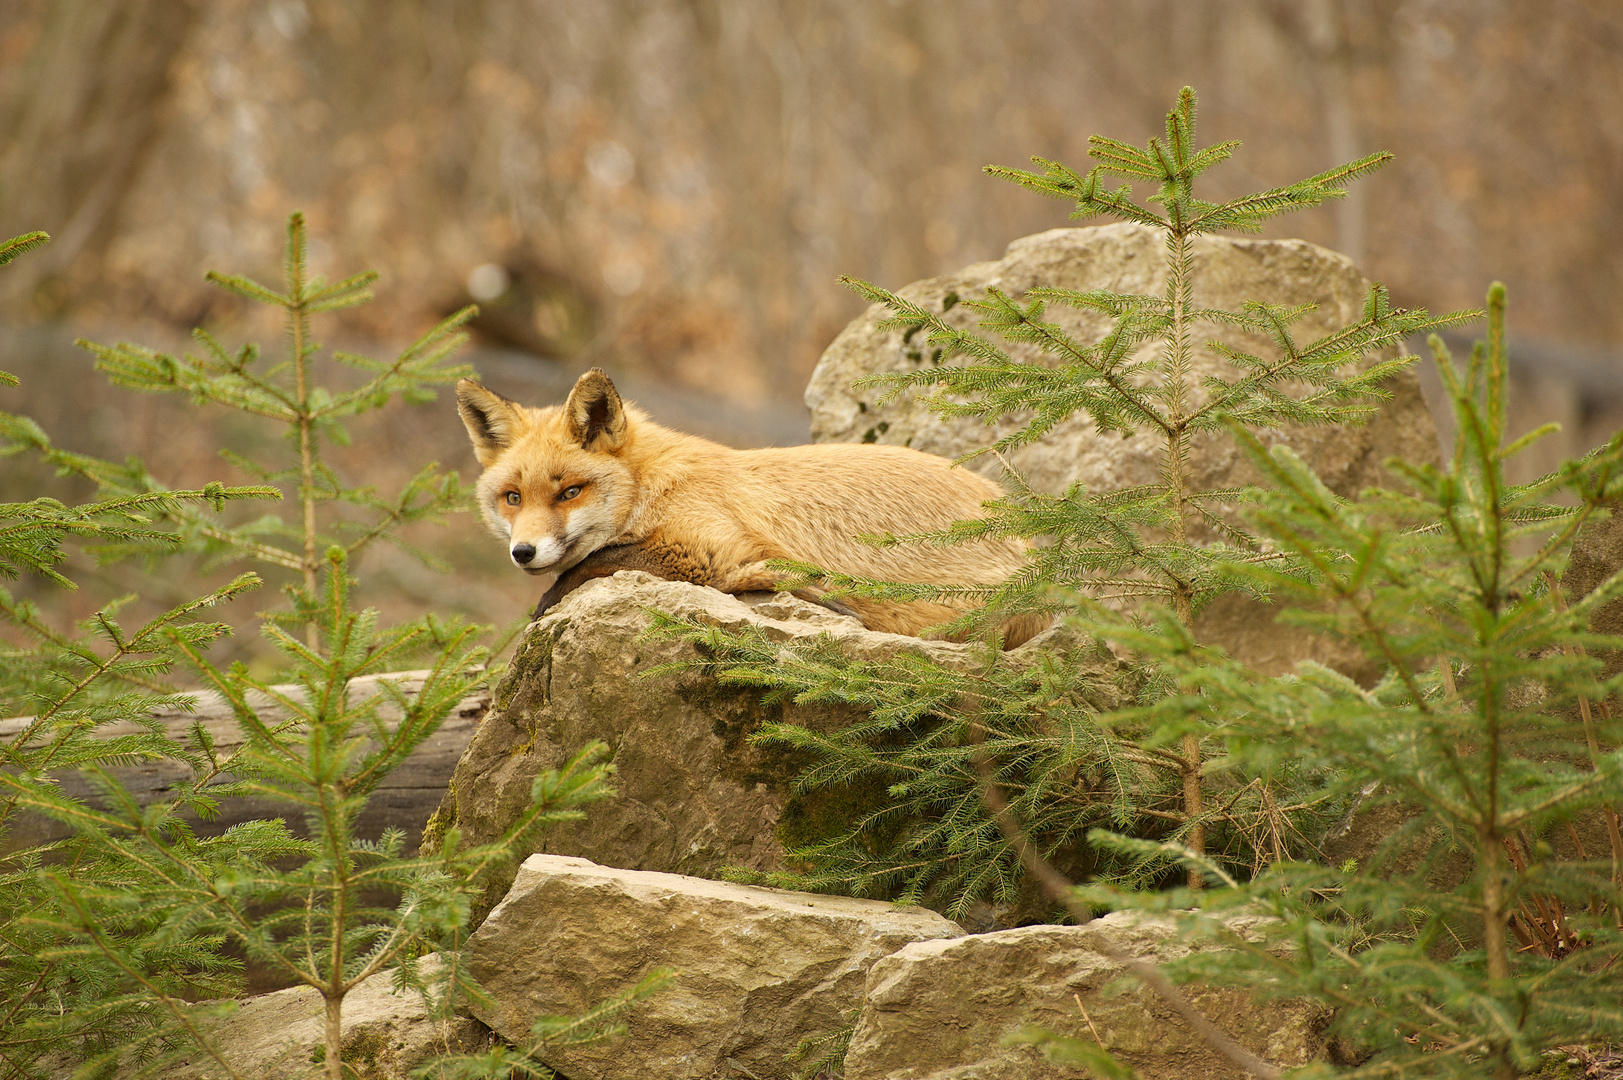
(539, 557)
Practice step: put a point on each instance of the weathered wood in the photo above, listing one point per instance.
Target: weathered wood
(404, 800)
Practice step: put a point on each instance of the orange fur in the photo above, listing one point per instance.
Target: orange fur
(593, 485)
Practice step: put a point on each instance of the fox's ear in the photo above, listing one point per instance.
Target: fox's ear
(597, 417)
(493, 422)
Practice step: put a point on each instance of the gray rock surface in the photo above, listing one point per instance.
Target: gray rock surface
(760, 969)
(1131, 258)
(1127, 258)
(936, 1010)
(386, 1035)
(694, 794)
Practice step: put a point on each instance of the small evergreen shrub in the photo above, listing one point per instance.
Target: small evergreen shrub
(1478, 938)
(1071, 757)
(58, 991)
(311, 412)
(1482, 934)
(107, 937)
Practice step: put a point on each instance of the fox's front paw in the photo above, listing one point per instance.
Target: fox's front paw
(549, 599)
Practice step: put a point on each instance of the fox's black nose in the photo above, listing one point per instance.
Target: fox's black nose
(523, 553)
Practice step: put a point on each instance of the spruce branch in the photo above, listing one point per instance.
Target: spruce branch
(289, 394)
(89, 927)
(20, 245)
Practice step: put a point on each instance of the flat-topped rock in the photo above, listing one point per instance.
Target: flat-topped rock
(387, 1034)
(758, 969)
(938, 1010)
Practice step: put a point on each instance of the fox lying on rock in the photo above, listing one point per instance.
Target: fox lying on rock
(594, 486)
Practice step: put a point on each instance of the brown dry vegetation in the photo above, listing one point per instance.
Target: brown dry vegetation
(700, 171)
(674, 185)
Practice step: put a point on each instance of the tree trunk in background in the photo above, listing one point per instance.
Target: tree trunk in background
(1326, 39)
(76, 116)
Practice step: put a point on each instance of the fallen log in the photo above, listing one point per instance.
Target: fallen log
(404, 800)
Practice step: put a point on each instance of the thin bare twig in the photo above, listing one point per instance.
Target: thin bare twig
(1087, 1018)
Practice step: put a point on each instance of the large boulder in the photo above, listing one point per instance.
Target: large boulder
(939, 1010)
(695, 794)
(1132, 258)
(758, 969)
(1124, 258)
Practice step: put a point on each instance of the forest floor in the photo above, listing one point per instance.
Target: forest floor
(1586, 1062)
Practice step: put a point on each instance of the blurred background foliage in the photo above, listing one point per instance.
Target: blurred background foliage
(669, 188)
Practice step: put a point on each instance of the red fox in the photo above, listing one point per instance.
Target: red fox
(594, 486)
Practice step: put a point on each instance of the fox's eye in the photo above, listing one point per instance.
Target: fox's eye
(512, 498)
(570, 492)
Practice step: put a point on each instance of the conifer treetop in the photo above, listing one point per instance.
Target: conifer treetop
(1142, 374)
(292, 393)
(1173, 163)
